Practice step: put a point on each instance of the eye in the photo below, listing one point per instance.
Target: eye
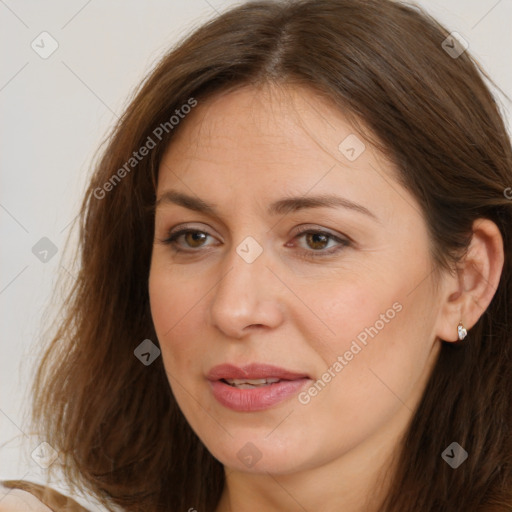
(193, 238)
(318, 241)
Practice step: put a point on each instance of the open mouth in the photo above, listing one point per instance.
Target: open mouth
(250, 383)
(255, 386)
(250, 395)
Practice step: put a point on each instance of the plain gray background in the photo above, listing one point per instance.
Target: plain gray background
(54, 113)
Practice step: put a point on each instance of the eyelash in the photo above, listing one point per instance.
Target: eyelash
(311, 254)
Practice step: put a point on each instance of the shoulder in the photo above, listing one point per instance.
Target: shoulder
(24, 496)
(14, 500)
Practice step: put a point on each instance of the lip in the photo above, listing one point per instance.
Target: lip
(253, 371)
(256, 399)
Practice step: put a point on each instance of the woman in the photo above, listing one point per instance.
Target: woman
(295, 276)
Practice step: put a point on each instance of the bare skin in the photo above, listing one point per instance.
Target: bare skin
(333, 451)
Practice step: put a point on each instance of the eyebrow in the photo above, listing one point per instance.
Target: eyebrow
(279, 207)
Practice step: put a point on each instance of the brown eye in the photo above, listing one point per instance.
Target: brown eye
(317, 241)
(194, 238)
(319, 244)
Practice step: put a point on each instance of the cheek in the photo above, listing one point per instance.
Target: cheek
(385, 350)
(173, 306)
(379, 341)
(354, 310)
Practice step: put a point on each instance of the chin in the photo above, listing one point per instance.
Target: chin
(255, 454)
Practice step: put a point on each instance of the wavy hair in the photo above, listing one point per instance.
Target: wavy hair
(381, 62)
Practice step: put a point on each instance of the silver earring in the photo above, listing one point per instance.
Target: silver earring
(461, 331)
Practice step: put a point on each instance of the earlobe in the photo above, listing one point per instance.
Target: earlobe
(461, 331)
(470, 291)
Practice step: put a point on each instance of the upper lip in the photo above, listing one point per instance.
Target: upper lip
(252, 371)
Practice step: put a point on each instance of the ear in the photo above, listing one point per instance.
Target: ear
(468, 293)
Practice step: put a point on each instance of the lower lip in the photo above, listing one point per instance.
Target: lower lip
(256, 399)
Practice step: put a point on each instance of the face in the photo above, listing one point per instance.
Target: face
(298, 249)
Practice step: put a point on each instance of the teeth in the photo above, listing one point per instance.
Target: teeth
(250, 383)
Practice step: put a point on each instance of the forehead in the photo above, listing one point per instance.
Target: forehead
(252, 141)
(267, 113)
(268, 125)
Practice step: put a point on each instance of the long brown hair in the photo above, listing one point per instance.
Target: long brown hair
(115, 421)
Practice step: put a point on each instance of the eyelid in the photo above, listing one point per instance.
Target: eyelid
(342, 241)
(187, 226)
(172, 236)
(300, 230)
(312, 227)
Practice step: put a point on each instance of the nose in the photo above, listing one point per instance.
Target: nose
(248, 296)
